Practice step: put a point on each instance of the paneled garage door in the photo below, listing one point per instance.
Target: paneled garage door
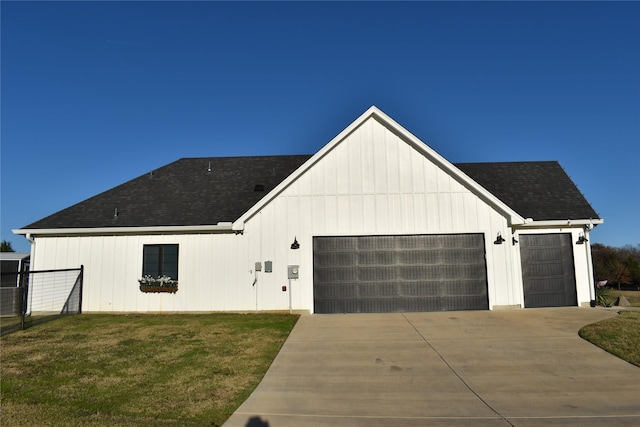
(548, 275)
(380, 274)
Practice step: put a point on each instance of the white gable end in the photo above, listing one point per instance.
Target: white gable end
(374, 183)
(375, 155)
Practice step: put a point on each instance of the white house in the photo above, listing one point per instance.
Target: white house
(376, 221)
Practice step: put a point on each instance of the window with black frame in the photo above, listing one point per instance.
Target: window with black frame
(160, 261)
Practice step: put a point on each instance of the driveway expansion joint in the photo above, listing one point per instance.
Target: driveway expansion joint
(456, 373)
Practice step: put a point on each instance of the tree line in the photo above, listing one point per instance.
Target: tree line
(618, 266)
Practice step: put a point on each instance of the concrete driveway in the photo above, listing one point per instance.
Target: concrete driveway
(501, 368)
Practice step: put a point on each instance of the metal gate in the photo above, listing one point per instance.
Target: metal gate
(548, 274)
(380, 274)
(60, 291)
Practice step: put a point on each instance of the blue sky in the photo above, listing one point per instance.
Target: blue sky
(96, 93)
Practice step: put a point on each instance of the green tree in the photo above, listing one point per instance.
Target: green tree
(619, 266)
(602, 257)
(620, 273)
(6, 246)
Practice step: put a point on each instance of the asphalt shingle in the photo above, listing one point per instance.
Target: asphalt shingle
(205, 191)
(539, 190)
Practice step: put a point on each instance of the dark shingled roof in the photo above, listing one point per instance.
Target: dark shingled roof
(181, 193)
(186, 193)
(538, 190)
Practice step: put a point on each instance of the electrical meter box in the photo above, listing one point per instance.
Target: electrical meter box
(258, 266)
(293, 271)
(268, 267)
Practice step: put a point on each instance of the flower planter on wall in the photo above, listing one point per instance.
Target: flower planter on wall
(150, 284)
(157, 289)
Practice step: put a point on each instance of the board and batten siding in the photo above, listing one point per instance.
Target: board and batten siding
(374, 183)
(213, 274)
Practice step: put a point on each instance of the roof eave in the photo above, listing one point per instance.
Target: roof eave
(221, 227)
(530, 223)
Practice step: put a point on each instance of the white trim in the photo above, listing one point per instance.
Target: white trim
(559, 223)
(373, 112)
(221, 227)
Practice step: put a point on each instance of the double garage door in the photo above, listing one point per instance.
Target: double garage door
(381, 274)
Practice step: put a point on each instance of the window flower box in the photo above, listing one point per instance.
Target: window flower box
(150, 284)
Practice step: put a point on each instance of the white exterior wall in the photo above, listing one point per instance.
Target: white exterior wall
(371, 183)
(208, 272)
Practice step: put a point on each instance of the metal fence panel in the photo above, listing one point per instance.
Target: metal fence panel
(46, 291)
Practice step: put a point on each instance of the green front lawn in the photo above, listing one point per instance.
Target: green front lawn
(136, 370)
(619, 335)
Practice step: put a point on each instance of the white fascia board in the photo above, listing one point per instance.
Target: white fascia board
(415, 142)
(559, 223)
(222, 227)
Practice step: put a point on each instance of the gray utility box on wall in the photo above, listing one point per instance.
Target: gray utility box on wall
(293, 271)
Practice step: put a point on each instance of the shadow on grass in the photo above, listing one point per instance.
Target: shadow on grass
(13, 324)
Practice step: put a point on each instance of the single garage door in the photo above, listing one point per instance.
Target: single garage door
(382, 274)
(548, 275)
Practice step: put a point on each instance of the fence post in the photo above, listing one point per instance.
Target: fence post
(81, 288)
(24, 287)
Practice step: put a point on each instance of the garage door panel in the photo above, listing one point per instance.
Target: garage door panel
(457, 272)
(547, 286)
(459, 241)
(460, 288)
(546, 269)
(542, 254)
(338, 290)
(375, 258)
(344, 244)
(417, 272)
(381, 305)
(375, 242)
(336, 258)
(412, 289)
(424, 304)
(377, 290)
(430, 257)
(464, 302)
(400, 273)
(376, 273)
(338, 305)
(461, 256)
(333, 275)
(549, 299)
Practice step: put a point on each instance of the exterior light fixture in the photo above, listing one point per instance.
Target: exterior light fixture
(581, 239)
(499, 239)
(513, 241)
(295, 244)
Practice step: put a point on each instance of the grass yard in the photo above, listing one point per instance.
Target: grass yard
(136, 370)
(632, 296)
(619, 335)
